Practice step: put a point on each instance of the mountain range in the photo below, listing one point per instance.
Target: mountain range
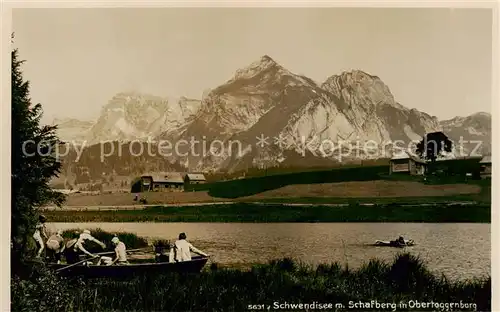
(277, 117)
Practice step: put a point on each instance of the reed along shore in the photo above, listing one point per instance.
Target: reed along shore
(405, 283)
(252, 212)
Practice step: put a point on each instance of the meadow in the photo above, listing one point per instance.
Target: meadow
(254, 185)
(441, 172)
(361, 184)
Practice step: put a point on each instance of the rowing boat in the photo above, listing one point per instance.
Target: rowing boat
(195, 265)
(394, 243)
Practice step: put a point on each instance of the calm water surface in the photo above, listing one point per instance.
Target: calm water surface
(456, 249)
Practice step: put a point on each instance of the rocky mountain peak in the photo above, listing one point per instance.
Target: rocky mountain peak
(133, 115)
(265, 73)
(481, 115)
(70, 121)
(357, 75)
(266, 58)
(369, 90)
(266, 99)
(474, 128)
(71, 129)
(263, 64)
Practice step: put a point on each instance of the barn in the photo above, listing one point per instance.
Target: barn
(485, 167)
(162, 182)
(195, 178)
(404, 163)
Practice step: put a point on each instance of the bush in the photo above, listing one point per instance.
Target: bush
(43, 292)
(136, 186)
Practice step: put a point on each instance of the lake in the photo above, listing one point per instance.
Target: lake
(459, 250)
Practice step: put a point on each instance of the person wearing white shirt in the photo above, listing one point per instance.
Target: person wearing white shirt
(39, 232)
(75, 247)
(86, 236)
(55, 246)
(181, 251)
(120, 251)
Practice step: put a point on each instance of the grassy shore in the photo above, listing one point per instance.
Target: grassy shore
(241, 212)
(405, 280)
(415, 200)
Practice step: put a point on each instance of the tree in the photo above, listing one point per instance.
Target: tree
(432, 145)
(33, 164)
(136, 185)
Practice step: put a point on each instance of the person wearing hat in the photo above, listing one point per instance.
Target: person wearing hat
(83, 238)
(181, 251)
(86, 236)
(39, 232)
(75, 247)
(55, 245)
(120, 251)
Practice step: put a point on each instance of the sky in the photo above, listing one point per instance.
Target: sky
(435, 60)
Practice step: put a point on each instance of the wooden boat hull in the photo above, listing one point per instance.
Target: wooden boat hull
(131, 270)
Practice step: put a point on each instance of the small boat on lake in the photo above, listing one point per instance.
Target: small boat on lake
(195, 265)
(394, 243)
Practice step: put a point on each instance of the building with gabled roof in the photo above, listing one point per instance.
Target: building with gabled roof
(194, 178)
(485, 163)
(162, 181)
(404, 163)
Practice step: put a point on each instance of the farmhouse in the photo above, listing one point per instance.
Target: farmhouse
(162, 182)
(404, 163)
(485, 167)
(195, 178)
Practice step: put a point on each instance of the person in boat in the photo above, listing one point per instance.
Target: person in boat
(120, 252)
(55, 245)
(40, 231)
(69, 253)
(160, 254)
(86, 236)
(105, 260)
(401, 241)
(75, 247)
(181, 250)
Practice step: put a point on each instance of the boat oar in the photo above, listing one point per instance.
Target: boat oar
(128, 251)
(72, 265)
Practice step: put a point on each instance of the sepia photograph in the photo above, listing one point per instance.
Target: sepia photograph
(230, 158)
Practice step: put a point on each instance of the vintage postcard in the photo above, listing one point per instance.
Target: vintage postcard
(259, 158)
